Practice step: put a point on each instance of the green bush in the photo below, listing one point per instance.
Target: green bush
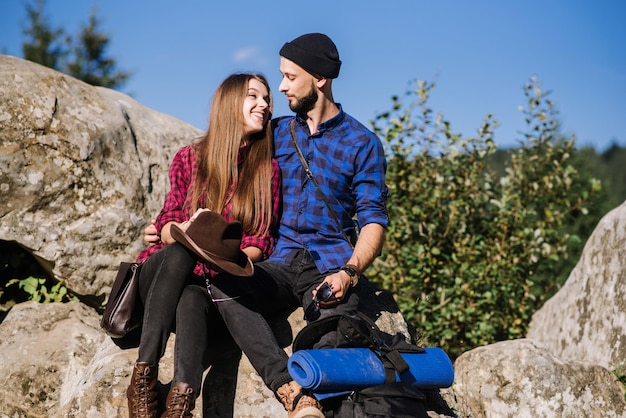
(40, 290)
(469, 254)
(23, 278)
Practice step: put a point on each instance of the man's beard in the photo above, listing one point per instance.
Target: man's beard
(303, 105)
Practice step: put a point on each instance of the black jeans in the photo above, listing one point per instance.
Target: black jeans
(177, 300)
(245, 303)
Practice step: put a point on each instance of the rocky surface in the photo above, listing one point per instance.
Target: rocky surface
(83, 169)
(520, 378)
(55, 361)
(591, 306)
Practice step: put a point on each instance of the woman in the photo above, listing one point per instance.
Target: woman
(229, 171)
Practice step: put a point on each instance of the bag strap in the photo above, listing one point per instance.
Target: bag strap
(311, 177)
(386, 346)
(389, 354)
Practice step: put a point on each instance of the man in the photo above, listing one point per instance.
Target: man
(347, 161)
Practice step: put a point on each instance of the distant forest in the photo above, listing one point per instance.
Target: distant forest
(608, 166)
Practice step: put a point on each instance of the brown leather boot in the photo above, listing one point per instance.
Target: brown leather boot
(142, 393)
(297, 403)
(180, 401)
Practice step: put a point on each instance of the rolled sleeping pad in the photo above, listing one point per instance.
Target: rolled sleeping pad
(346, 369)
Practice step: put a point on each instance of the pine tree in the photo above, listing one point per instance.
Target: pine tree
(44, 44)
(89, 62)
(83, 58)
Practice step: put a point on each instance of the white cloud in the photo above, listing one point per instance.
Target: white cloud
(246, 54)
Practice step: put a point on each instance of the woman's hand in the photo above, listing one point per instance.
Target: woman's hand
(195, 215)
(166, 235)
(254, 253)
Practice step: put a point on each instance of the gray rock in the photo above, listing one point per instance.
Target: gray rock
(586, 319)
(82, 171)
(521, 379)
(45, 351)
(55, 361)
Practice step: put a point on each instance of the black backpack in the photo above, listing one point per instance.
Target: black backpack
(389, 400)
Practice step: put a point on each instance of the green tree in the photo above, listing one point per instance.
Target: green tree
(83, 58)
(469, 254)
(89, 62)
(44, 44)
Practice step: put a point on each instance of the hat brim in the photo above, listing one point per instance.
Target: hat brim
(242, 267)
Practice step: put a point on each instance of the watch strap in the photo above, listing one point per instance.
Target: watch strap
(352, 272)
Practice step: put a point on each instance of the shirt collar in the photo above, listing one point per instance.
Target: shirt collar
(326, 125)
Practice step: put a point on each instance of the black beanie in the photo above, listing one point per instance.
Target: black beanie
(315, 52)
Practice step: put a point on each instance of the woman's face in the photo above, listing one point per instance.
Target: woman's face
(256, 109)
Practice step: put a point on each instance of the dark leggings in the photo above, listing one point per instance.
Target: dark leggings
(161, 282)
(175, 299)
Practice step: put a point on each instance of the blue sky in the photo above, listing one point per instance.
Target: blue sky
(479, 54)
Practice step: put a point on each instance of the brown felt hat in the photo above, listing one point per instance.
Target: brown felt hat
(215, 241)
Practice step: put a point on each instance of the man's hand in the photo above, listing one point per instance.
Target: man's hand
(150, 234)
(339, 282)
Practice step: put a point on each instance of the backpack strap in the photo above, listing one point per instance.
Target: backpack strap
(311, 177)
(359, 330)
(314, 331)
(397, 362)
(362, 331)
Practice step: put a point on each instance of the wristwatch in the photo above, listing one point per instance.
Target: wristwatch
(354, 275)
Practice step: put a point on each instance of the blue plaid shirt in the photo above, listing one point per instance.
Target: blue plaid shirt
(348, 163)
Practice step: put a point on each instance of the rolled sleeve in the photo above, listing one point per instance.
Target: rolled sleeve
(369, 188)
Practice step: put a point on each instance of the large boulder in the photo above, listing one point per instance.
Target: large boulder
(586, 319)
(522, 379)
(82, 171)
(55, 361)
(574, 344)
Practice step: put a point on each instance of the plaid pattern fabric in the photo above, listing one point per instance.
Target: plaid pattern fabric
(181, 172)
(348, 162)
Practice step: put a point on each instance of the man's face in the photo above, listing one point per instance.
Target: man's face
(298, 86)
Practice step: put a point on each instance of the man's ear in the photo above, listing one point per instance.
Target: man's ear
(320, 81)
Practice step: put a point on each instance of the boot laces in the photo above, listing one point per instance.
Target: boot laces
(143, 393)
(180, 405)
(306, 401)
(287, 394)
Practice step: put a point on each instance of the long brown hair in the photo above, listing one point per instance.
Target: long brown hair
(217, 160)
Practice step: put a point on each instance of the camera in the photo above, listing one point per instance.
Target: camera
(324, 293)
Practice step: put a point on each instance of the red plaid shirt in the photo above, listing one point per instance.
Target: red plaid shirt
(181, 172)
